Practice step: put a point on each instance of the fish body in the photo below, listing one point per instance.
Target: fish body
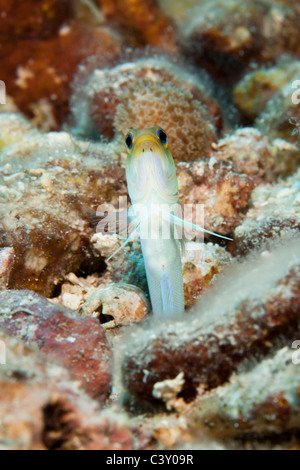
(153, 190)
(155, 215)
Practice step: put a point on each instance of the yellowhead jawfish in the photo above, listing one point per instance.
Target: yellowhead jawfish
(155, 216)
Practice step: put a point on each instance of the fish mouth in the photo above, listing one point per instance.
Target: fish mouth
(146, 144)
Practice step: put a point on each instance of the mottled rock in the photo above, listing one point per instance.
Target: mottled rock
(249, 307)
(33, 20)
(274, 212)
(77, 344)
(223, 191)
(144, 19)
(39, 73)
(261, 402)
(200, 265)
(254, 154)
(256, 88)
(23, 393)
(41, 409)
(45, 181)
(125, 266)
(228, 36)
(201, 262)
(74, 423)
(281, 112)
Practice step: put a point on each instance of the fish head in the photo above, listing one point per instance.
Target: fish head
(150, 168)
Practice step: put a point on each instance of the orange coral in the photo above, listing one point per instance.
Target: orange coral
(148, 92)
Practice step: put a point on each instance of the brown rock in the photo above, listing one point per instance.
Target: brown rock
(41, 409)
(281, 116)
(45, 181)
(220, 188)
(200, 266)
(273, 213)
(263, 402)
(23, 393)
(33, 20)
(116, 304)
(228, 36)
(144, 19)
(246, 310)
(254, 154)
(39, 74)
(256, 88)
(77, 344)
(74, 423)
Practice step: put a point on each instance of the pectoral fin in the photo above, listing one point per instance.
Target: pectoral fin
(180, 222)
(110, 223)
(130, 237)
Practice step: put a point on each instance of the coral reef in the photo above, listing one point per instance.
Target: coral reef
(209, 345)
(6, 260)
(122, 303)
(146, 92)
(32, 56)
(126, 266)
(200, 265)
(81, 355)
(277, 119)
(33, 20)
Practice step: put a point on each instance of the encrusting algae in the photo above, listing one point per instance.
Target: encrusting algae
(209, 90)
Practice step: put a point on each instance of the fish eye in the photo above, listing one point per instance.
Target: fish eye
(162, 136)
(129, 140)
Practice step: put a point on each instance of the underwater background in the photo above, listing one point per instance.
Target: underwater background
(83, 362)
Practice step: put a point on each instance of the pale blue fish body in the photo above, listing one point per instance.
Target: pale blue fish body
(153, 189)
(164, 275)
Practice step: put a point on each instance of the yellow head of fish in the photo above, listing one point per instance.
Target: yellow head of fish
(150, 168)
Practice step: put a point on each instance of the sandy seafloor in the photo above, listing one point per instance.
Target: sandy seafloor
(84, 364)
